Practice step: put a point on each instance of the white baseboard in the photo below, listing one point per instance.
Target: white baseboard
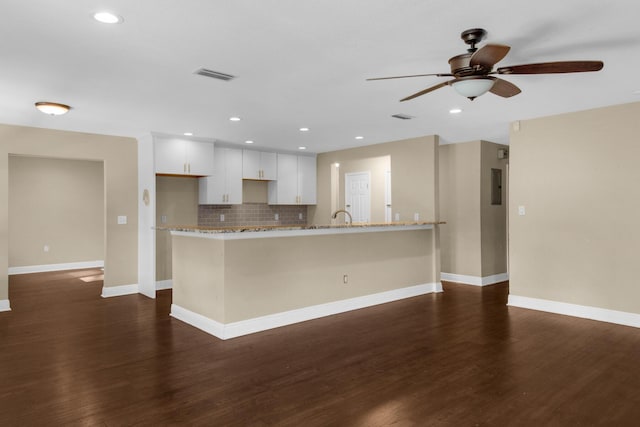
(4, 305)
(164, 284)
(584, 311)
(474, 280)
(263, 323)
(116, 291)
(55, 267)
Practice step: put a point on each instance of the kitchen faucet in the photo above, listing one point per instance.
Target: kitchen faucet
(335, 215)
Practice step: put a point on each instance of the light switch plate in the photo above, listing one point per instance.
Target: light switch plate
(122, 219)
(221, 217)
(521, 210)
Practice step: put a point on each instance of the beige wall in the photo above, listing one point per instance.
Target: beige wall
(121, 191)
(58, 203)
(473, 242)
(212, 277)
(177, 199)
(254, 191)
(493, 218)
(577, 176)
(414, 177)
(460, 239)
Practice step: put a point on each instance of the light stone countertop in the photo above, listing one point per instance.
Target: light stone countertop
(260, 231)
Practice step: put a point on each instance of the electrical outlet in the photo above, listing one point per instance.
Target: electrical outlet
(300, 216)
(416, 217)
(46, 248)
(163, 219)
(122, 219)
(276, 217)
(221, 217)
(521, 210)
(397, 217)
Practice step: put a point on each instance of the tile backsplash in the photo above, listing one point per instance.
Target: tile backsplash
(251, 214)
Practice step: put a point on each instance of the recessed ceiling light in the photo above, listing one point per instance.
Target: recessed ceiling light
(188, 133)
(107, 18)
(52, 108)
(248, 142)
(455, 111)
(302, 148)
(234, 119)
(304, 129)
(359, 137)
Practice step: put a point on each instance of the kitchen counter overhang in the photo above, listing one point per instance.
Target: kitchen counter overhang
(240, 280)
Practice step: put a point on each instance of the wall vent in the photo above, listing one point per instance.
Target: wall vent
(403, 116)
(214, 74)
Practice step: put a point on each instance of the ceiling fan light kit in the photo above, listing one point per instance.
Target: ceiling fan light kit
(472, 87)
(472, 71)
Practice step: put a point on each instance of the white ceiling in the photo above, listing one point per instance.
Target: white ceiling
(302, 63)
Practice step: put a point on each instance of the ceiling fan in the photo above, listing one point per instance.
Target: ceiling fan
(473, 71)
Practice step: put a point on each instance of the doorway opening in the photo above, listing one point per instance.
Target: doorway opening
(56, 216)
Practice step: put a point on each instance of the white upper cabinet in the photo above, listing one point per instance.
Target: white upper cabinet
(177, 156)
(307, 180)
(259, 165)
(296, 181)
(224, 187)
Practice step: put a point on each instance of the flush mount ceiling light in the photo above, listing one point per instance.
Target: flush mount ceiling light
(304, 129)
(52, 108)
(359, 137)
(188, 134)
(107, 18)
(248, 142)
(455, 111)
(473, 86)
(234, 119)
(302, 148)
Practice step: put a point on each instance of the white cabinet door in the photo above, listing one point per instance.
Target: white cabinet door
(177, 156)
(284, 191)
(224, 187)
(306, 180)
(259, 165)
(233, 165)
(200, 158)
(250, 164)
(269, 165)
(170, 157)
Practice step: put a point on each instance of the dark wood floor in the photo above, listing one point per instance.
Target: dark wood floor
(460, 358)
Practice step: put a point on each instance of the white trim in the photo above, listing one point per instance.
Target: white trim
(295, 232)
(55, 267)
(270, 321)
(164, 284)
(474, 280)
(4, 305)
(586, 312)
(116, 291)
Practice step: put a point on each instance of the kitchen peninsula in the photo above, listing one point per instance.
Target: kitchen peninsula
(240, 280)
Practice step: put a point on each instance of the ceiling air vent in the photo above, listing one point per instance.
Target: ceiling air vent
(214, 74)
(403, 116)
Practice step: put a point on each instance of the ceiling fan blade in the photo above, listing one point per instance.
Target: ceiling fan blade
(553, 67)
(488, 55)
(504, 88)
(427, 90)
(414, 75)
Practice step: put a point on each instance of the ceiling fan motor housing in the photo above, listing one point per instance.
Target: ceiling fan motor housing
(460, 66)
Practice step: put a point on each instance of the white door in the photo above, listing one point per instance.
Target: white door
(387, 196)
(357, 195)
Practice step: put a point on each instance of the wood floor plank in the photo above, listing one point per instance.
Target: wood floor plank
(69, 357)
